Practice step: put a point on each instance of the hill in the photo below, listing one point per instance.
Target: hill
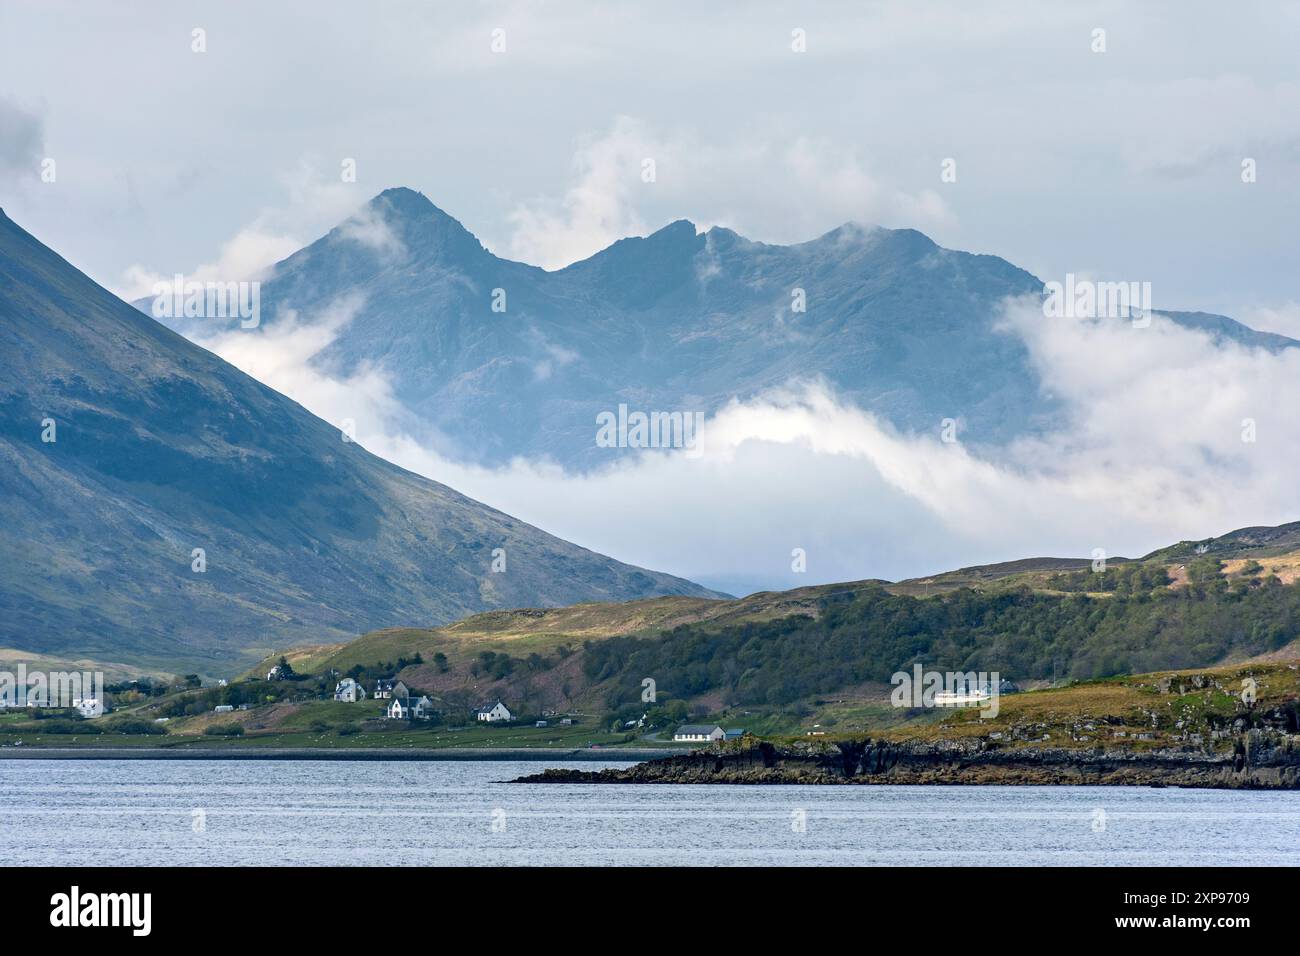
(784, 656)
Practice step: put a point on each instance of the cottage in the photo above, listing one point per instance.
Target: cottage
(349, 691)
(88, 706)
(407, 708)
(223, 709)
(497, 712)
(699, 733)
(540, 723)
(388, 689)
(733, 733)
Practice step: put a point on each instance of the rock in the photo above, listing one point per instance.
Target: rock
(1259, 760)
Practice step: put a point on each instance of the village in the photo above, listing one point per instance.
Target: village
(280, 706)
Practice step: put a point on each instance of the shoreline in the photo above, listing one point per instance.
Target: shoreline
(1256, 762)
(500, 754)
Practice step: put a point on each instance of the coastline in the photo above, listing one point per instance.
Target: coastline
(305, 753)
(1255, 762)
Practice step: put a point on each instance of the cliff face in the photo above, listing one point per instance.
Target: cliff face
(1257, 760)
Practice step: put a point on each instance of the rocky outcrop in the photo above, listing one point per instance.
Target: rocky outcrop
(1256, 761)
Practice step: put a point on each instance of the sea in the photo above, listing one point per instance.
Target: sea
(465, 813)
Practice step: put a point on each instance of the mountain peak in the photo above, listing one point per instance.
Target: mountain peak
(410, 205)
(677, 229)
(422, 227)
(405, 200)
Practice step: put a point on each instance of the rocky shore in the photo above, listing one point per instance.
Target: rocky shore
(1256, 761)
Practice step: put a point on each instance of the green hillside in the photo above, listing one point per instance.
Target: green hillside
(781, 660)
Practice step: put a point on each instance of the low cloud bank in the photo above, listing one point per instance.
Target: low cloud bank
(1170, 436)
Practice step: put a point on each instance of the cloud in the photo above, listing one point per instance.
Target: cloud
(22, 139)
(595, 211)
(281, 355)
(1153, 453)
(1255, 119)
(368, 227)
(776, 185)
(247, 255)
(556, 356)
(313, 203)
(1283, 319)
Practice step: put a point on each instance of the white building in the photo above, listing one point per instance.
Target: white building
(386, 689)
(699, 733)
(407, 708)
(496, 712)
(88, 706)
(349, 691)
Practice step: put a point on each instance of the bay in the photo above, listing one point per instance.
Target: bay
(379, 813)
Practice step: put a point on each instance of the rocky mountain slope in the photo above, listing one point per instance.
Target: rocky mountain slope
(160, 508)
(682, 320)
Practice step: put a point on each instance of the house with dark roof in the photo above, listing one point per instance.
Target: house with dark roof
(496, 712)
(386, 689)
(349, 690)
(410, 708)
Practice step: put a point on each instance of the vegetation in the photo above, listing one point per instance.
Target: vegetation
(224, 730)
(1139, 625)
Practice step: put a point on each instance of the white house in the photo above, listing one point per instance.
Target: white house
(88, 706)
(407, 708)
(699, 733)
(386, 689)
(349, 691)
(224, 709)
(496, 712)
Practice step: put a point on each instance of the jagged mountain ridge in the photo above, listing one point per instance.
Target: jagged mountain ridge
(679, 320)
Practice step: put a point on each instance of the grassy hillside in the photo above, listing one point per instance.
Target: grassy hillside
(546, 630)
(113, 672)
(1199, 708)
(1204, 709)
(781, 661)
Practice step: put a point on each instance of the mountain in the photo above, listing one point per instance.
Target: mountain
(160, 448)
(677, 321)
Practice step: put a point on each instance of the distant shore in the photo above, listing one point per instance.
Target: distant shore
(1256, 761)
(593, 755)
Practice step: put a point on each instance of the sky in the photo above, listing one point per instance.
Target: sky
(1124, 163)
(1116, 154)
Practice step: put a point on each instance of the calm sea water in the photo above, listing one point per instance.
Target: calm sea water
(210, 813)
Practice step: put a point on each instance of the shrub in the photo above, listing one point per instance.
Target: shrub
(59, 725)
(132, 726)
(224, 730)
